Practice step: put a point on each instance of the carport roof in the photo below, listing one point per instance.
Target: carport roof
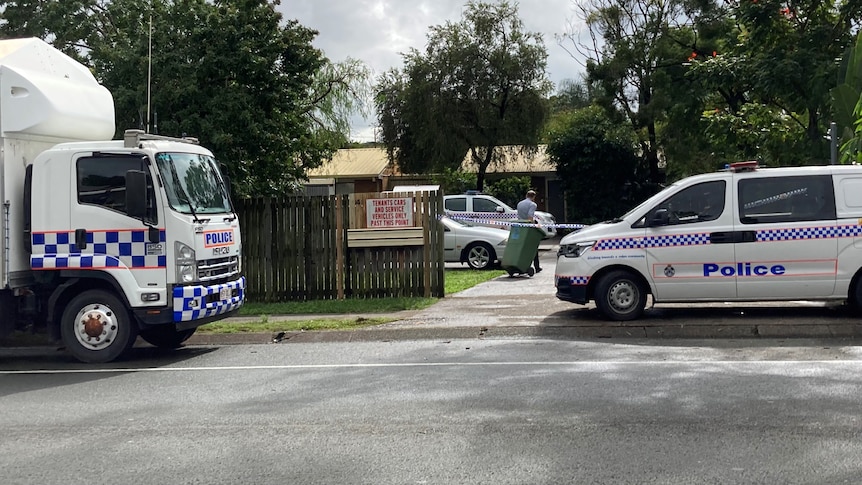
(354, 162)
(510, 159)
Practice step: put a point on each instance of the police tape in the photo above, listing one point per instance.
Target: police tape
(496, 222)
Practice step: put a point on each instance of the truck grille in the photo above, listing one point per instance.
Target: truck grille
(214, 270)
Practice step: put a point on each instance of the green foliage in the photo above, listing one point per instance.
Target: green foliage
(597, 165)
(232, 73)
(707, 83)
(453, 181)
(510, 190)
(847, 101)
(479, 84)
(851, 150)
(634, 68)
(756, 132)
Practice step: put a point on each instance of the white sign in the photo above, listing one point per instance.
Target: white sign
(390, 212)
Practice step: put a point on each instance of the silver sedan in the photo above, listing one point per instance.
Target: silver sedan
(478, 246)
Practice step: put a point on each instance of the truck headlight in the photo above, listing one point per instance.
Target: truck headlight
(575, 250)
(187, 267)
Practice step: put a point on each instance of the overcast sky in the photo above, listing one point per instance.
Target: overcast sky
(377, 31)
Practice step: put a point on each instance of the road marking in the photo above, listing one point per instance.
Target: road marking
(598, 364)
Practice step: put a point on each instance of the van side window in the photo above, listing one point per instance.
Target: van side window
(484, 205)
(786, 199)
(456, 204)
(102, 182)
(698, 203)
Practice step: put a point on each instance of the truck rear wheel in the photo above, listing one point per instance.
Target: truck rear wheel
(620, 296)
(96, 327)
(166, 336)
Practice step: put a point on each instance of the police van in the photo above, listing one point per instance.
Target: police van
(742, 234)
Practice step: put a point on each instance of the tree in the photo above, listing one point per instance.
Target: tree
(479, 84)
(847, 99)
(231, 72)
(632, 51)
(597, 165)
(775, 77)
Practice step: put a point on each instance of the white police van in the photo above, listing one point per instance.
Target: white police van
(743, 234)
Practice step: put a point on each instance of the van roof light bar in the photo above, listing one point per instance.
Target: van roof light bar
(743, 166)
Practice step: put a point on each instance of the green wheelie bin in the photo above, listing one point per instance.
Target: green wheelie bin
(521, 247)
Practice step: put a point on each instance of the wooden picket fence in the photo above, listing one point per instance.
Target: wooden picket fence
(302, 248)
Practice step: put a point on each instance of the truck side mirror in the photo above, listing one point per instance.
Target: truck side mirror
(136, 194)
(660, 218)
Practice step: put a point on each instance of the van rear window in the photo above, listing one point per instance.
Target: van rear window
(786, 199)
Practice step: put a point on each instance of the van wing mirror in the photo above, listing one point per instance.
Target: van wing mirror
(136, 194)
(500, 209)
(661, 217)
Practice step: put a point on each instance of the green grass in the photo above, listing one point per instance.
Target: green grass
(463, 279)
(264, 325)
(455, 280)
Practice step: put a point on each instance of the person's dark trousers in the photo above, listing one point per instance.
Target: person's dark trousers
(536, 262)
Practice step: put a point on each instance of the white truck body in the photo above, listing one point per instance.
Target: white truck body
(105, 240)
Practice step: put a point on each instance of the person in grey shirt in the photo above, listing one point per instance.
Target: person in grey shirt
(527, 213)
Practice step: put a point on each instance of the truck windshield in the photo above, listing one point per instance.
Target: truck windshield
(193, 183)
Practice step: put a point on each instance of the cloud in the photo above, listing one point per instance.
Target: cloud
(378, 32)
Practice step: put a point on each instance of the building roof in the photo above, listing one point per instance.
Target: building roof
(511, 159)
(354, 163)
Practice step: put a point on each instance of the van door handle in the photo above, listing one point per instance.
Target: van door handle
(725, 237)
(732, 237)
(747, 236)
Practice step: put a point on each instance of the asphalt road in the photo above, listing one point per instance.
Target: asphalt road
(496, 411)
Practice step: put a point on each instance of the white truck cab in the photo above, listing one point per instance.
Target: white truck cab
(105, 240)
(743, 234)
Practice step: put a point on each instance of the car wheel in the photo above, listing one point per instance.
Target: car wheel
(480, 256)
(96, 327)
(166, 336)
(620, 296)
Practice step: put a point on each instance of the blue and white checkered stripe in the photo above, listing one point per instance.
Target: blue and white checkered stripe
(105, 249)
(652, 242)
(794, 234)
(190, 301)
(579, 280)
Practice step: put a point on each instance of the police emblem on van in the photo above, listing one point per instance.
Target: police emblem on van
(214, 239)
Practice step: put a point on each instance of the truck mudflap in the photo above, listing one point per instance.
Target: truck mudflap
(198, 302)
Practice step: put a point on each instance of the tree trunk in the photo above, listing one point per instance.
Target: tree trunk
(652, 155)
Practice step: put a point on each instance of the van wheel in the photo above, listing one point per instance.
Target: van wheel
(620, 296)
(166, 336)
(96, 327)
(855, 297)
(480, 256)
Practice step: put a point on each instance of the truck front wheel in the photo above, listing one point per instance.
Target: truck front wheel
(96, 327)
